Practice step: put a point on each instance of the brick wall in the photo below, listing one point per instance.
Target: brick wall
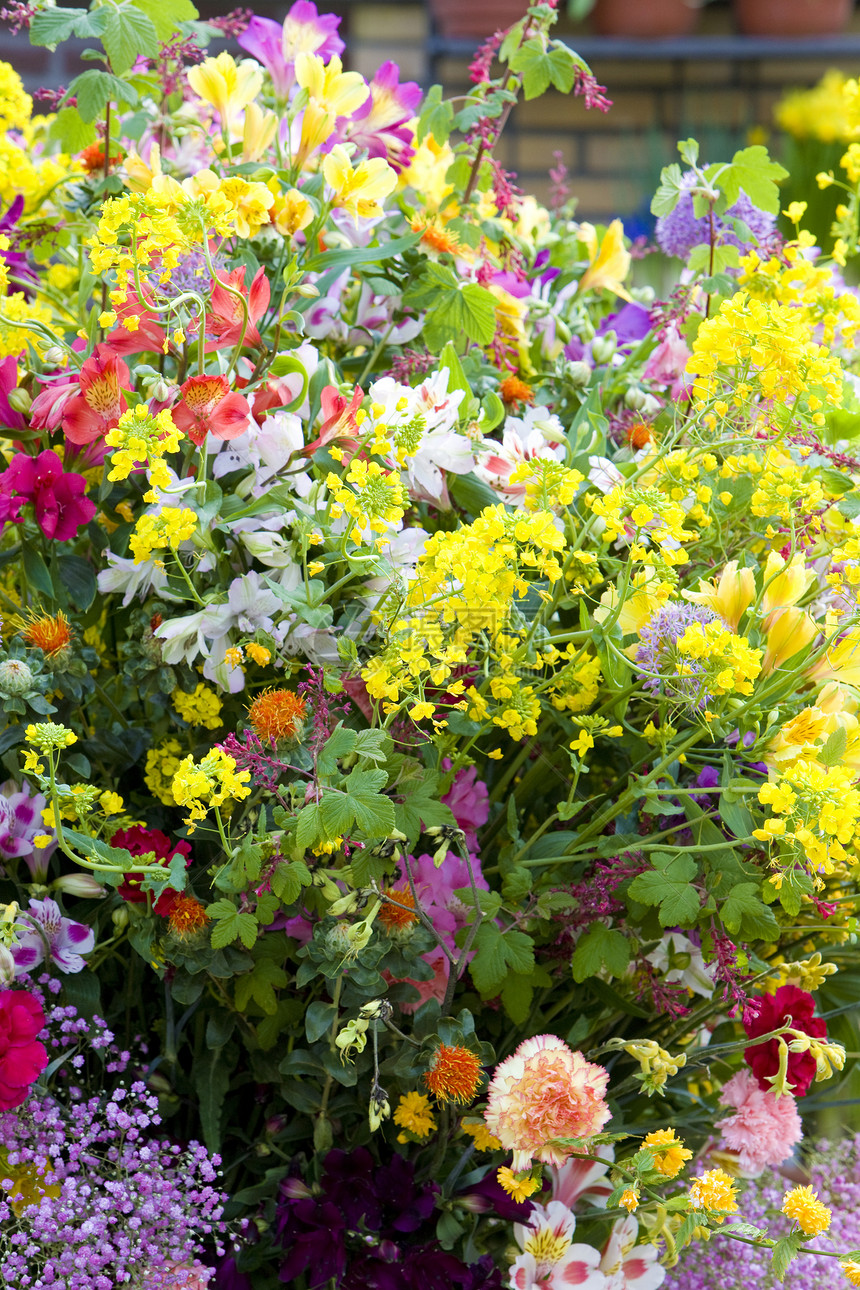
(614, 159)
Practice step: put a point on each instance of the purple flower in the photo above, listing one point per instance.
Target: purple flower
(19, 270)
(381, 124)
(20, 823)
(658, 660)
(678, 232)
(48, 935)
(303, 31)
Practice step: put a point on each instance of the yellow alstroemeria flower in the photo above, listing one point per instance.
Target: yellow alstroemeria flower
(841, 662)
(258, 132)
(784, 584)
(730, 596)
(788, 631)
(610, 259)
(291, 212)
(338, 91)
(361, 189)
(317, 126)
(229, 86)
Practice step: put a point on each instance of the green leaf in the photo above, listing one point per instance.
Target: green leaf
(689, 150)
(355, 256)
(784, 1252)
(211, 1082)
(668, 885)
(744, 911)
(318, 1020)
(260, 985)
(464, 309)
(436, 116)
(128, 35)
(518, 992)
(832, 752)
(374, 813)
(309, 826)
(288, 880)
(336, 813)
(340, 743)
(600, 947)
(51, 26)
(753, 173)
(36, 571)
(289, 365)
(166, 15)
(666, 197)
(94, 89)
(231, 925)
(540, 67)
(496, 954)
(78, 579)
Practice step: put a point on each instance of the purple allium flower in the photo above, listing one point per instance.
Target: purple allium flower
(678, 232)
(658, 659)
(49, 935)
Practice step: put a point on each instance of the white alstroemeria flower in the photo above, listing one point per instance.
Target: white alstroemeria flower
(536, 434)
(185, 638)
(680, 961)
(135, 581)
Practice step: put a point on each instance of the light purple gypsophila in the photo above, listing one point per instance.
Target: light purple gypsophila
(658, 659)
(127, 1203)
(722, 1262)
(679, 231)
(49, 935)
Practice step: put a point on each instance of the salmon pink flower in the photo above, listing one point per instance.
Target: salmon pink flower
(226, 317)
(338, 421)
(22, 1057)
(763, 1128)
(541, 1095)
(100, 402)
(207, 404)
(147, 333)
(58, 496)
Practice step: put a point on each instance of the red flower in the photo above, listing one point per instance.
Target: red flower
(100, 403)
(139, 841)
(58, 496)
(226, 317)
(147, 335)
(22, 1057)
(338, 418)
(208, 405)
(763, 1060)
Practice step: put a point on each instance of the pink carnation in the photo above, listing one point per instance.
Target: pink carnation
(542, 1094)
(764, 1128)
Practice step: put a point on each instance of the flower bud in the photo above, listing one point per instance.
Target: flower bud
(119, 917)
(79, 884)
(7, 966)
(323, 1135)
(55, 356)
(579, 373)
(306, 289)
(603, 347)
(634, 398)
(19, 400)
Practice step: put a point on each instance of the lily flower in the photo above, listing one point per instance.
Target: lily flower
(730, 596)
(788, 631)
(361, 189)
(276, 45)
(339, 92)
(100, 401)
(226, 317)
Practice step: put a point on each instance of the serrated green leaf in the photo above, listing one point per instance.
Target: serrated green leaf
(668, 885)
(833, 750)
(211, 1076)
(340, 743)
(128, 34)
(308, 826)
(260, 985)
(784, 1252)
(288, 880)
(667, 195)
(166, 15)
(600, 947)
(374, 813)
(436, 116)
(541, 67)
(744, 911)
(94, 89)
(336, 814)
(52, 25)
(497, 953)
(752, 172)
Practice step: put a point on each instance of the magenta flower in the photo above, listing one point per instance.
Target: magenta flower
(9, 418)
(49, 935)
(303, 31)
(469, 800)
(22, 1057)
(381, 124)
(58, 496)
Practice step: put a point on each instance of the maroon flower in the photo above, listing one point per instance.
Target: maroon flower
(58, 496)
(763, 1060)
(140, 842)
(22, 1057)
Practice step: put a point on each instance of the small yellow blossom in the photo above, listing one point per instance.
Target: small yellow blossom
(803, 1207)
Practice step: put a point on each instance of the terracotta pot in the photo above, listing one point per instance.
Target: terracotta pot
(648, 19)
(792, 17)
(478, 18)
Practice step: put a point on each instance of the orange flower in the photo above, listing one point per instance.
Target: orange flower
(640, 434)
(186, 916)
(513, 390)
(454, 1074)
(50, 634)
(277, 714)
(394, 918)
(436, 236)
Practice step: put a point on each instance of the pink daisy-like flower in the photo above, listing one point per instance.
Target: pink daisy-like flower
(542, 1094)
(764, 1128)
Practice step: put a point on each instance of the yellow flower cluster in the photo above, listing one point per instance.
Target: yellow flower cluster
(143, 438)
(791, 278)
(714, 1190)
(670, 1154)
(208, 783)
(16, 107)
(162, 763)
(165, 530)
(16, 325)
(517, 707)
(815, 816)
(649, 515)
(755, 347)
(376, 500)
(200, 708)
(549, 485)
(784, 486)
(414, 1115)
(726, 662)
(830, 111)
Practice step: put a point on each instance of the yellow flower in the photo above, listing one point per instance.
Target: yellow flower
(479, 1133)
(291, 212)
(788, 632)
(200, 708)
(730, 596)
(609, 260)
(714, 1190)
(229, 86)
(213, 781)
(339, 92)
(258, 132)
(803, 1207)
(111, 803)
(784, 583)
(258, 653)
(518, 1188)
(360, 189)
(414, 1113)
(670, 1154)
(630, 1200)
(852, 1272)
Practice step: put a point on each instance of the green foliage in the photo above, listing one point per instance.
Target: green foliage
(668, 885)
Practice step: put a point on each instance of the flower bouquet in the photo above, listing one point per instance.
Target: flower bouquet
(430, 674)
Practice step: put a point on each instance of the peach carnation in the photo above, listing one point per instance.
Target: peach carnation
(764, 1128)
(542, 1094)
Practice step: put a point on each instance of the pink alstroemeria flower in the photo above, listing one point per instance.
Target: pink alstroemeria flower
(207, 405)
(49, 935)
(100, 402)
(226, 317)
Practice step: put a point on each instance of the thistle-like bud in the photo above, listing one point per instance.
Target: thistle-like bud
(579, 373)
